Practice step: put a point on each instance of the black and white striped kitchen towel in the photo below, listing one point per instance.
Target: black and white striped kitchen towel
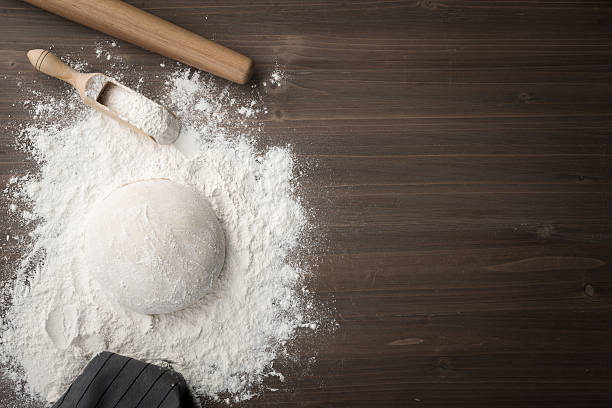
(114, 381)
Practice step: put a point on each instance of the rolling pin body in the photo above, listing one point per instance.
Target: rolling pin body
(145, 30)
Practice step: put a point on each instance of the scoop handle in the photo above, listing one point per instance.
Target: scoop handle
(47, 63)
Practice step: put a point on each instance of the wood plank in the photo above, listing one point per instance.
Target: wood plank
(456, 157)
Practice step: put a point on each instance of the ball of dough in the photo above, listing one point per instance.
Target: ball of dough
(155, 246)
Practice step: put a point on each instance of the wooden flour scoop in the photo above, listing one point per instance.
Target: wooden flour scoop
(113, 99)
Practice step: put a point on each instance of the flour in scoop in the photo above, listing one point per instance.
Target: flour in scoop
(225, 345)
(134, 108)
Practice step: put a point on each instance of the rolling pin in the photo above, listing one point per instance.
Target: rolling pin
(145, 30)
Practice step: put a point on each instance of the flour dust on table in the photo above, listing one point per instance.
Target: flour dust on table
(226, 343)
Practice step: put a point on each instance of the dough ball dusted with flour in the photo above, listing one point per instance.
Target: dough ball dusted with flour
(155, 246)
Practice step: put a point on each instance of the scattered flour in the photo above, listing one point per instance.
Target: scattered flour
(276, 77)
(59, 318)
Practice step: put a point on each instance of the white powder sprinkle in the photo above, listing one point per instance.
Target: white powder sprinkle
(276, 77)
(59, 318)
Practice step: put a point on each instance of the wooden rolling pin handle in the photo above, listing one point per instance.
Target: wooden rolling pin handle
(134, 25)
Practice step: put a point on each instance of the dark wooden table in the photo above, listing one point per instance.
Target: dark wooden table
(463, 184)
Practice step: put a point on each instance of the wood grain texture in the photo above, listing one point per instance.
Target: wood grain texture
(462, 181)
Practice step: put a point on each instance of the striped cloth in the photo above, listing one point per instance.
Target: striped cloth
(114, 381)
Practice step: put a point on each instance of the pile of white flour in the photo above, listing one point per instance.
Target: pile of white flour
(59, 318)
(137, 110)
